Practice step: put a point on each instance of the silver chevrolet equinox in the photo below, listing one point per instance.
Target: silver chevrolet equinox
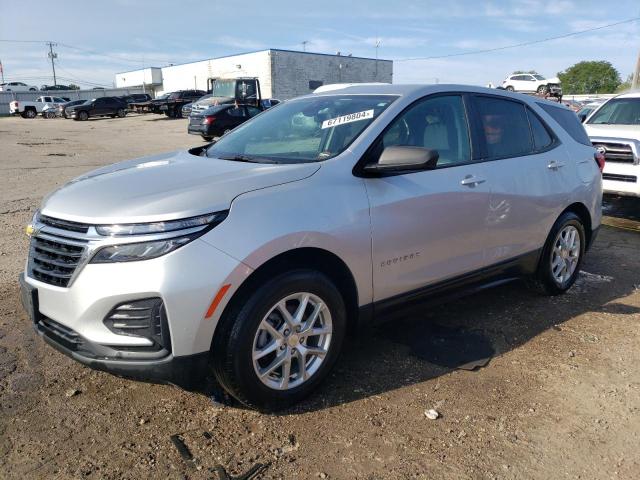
(252, 257)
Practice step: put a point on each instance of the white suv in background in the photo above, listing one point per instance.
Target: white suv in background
(17, 87)
(533, 83)
(614, 129)
(253, 256)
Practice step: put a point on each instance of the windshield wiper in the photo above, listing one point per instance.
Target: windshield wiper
(238, 158)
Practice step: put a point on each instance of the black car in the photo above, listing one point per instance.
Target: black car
(217, 120)
(62, 108)
(48, 88)
(98, 107)
(172, 106)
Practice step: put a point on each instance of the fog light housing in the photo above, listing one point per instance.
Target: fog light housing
(146, 318)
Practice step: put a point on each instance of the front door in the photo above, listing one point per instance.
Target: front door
(428, 226)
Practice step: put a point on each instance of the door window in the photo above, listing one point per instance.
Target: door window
(253, 111)
(504, 127)
(436, 123)
(236, 112)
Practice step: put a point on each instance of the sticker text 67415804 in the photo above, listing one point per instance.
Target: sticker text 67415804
(352, 117)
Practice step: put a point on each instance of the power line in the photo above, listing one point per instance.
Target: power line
(516, 45)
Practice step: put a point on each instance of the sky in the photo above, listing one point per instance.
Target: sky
(95, 39)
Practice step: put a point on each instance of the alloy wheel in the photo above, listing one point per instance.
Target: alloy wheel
(566, 254)
(292, 341)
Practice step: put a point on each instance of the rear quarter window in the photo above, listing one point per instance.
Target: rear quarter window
(569, 122)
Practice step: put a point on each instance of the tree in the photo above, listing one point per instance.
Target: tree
(73, 86)
(590, 77)
(626, 85)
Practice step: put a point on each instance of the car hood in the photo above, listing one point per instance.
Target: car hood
(631, 132)
(552, 80)
(164, 187)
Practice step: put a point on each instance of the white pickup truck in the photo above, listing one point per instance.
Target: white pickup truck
(31, 109)
(614, 129)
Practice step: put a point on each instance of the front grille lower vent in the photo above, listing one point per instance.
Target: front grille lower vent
(141, 318)
(53, 260)
(65, 336)
(620, 178)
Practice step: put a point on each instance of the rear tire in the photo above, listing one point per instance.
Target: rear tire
(243, 335)
(206, 139)
(30, 113)
(562, 256)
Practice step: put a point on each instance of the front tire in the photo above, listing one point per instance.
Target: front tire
(82, 116)
(543, 89)
(510, 88)
(275, 345)
(562, 255)
(121, 113)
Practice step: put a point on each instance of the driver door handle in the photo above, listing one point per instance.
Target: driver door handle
(472, 181)
(553, 165)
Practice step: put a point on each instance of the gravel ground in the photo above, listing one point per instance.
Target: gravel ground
(559, 399)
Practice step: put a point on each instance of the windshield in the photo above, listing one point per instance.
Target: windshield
(539, 77)
(224, 88)
(306, 130)
(620, 111)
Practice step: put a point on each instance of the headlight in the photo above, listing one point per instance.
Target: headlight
(203, 221)
(186, 230)
(134, 252)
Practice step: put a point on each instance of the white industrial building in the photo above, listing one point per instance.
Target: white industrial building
(283, 74)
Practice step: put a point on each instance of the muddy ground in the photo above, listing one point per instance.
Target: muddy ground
(559, 399)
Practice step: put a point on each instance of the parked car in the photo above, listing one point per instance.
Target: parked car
(28, 109)
(155, 104)
(63, 106)
(220, 119)
(172, 105)
(586, 110)
(48, 88)
(533, 83)
(253, 256)
(98, 107)
(186, 109)
(614, 129)
(17, 87)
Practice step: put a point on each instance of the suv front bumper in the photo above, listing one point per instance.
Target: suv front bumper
(186, 280)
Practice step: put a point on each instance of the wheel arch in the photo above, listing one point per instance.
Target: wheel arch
(583, 213)
(313, 258)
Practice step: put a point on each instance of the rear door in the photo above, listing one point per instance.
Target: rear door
(526, 164)
(428, 226)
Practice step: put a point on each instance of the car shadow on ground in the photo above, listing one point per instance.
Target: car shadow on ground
(487, 324)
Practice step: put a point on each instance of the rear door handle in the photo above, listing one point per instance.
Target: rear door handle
(472, 181)
(553, 165)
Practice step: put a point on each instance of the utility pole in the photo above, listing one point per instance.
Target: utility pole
(304, 45)
(2, 71)
(635, 83)
(53, 56)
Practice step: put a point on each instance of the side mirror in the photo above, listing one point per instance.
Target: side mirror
(582, 117)
(396, 159)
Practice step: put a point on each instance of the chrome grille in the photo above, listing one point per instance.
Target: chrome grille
(53, 259)
(64, 224)
(616, 152)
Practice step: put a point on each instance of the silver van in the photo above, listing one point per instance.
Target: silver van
(253, 256)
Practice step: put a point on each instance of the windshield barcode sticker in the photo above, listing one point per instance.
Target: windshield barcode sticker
(352, 117)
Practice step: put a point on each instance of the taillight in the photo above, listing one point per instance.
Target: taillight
(600, 159)
(209, 119)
